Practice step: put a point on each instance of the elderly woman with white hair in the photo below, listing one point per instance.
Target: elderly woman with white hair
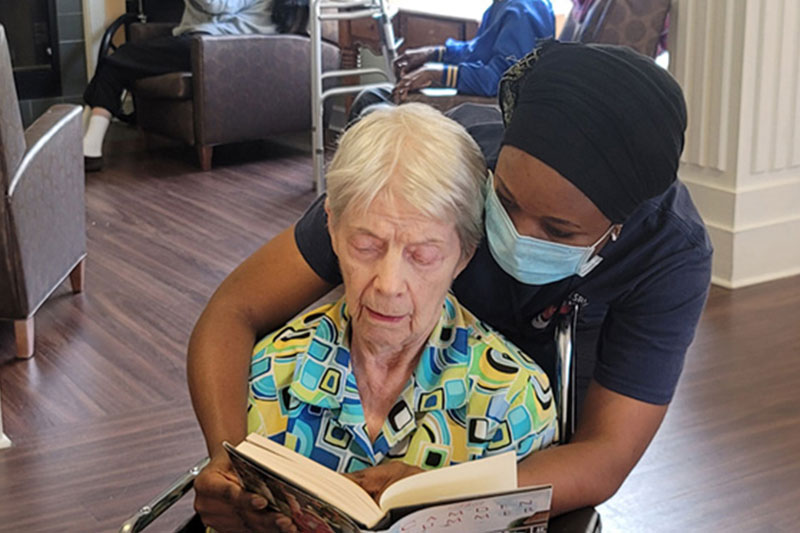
(396, 371)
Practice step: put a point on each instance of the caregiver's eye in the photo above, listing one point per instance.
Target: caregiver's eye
(557, 233)
(506, 201)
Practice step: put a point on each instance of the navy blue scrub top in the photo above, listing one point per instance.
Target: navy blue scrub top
(641, 304)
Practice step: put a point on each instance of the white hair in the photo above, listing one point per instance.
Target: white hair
(417, 153)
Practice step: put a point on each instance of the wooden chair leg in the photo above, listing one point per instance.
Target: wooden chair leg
(204, 154)
(23, 331)
(76, 277)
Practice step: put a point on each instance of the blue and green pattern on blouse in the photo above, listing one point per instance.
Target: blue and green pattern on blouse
(472, 394)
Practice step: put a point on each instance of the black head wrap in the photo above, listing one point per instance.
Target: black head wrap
(606, 118)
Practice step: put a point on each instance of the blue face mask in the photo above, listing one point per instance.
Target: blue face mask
(529, 260)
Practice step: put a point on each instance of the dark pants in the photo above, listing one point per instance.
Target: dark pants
(133, 61)
(367, 99)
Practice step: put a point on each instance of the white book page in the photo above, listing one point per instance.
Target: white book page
(439, 92)
(493, 474)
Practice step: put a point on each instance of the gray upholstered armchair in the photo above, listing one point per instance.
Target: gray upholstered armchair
(42, 214)
(634, 23)
(241, 88)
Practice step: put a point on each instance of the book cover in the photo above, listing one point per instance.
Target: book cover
(310, 514)
(523, 511)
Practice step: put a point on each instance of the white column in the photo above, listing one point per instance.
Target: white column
(97, 15)
(738, 62)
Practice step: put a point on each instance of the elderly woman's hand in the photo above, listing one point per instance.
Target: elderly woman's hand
(226, 507)
(376, 479)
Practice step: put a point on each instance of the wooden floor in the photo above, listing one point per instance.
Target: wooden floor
(100, 417)
(727, 457)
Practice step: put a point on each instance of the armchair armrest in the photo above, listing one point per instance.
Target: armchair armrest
(253, 86)
(139, 31)
(45, 200)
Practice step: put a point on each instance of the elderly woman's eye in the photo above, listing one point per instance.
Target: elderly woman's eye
(425, 255)
(365, 245)
(365, 249)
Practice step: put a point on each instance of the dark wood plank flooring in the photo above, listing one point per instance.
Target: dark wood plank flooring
(101, 421)
(100, 417)
(727, 457)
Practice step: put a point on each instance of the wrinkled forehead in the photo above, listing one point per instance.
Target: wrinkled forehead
(390, 210)
(393, 200)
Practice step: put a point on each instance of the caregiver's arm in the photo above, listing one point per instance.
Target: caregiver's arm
(267, 289)
(611, 436)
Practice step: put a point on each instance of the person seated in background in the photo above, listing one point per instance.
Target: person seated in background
(162, 55)
(623, 16)
(396, 365)
(509, 30)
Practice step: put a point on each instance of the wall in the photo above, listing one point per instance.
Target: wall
(97, 16)
(72, 61)
(739, 65)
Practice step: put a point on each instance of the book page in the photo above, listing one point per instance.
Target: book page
(313, 477)
(522, 511)
(439, 92)
(489, 475)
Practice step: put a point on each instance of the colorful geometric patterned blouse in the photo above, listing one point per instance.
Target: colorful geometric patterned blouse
(472, 394)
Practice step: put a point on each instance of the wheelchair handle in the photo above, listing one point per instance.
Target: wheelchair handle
(163, 501)
(565, 372)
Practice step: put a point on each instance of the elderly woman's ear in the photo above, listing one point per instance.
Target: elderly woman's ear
(331, 233)
(466, 257)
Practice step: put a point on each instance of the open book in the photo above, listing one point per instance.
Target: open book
(478, 496)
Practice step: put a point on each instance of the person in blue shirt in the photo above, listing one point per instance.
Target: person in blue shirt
(586, 208)
(509, 30)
